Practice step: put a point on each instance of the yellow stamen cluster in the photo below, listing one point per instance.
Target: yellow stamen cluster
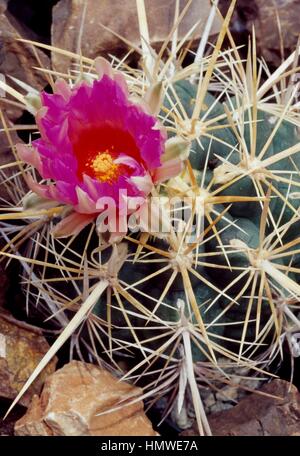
(104, 168)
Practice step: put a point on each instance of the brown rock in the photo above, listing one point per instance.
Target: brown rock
(267, 31)
(122, 19)
(31, 423)
(262, 14)
(73, 397)
(260, 415)
(3, 5)
(18, 59)
(21, 349)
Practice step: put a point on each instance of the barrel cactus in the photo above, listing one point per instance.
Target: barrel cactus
(213, 153)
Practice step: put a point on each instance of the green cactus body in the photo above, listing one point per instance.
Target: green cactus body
(285, 138)
(168, 313)
(224, 138)
(204, 297)
(235, 239)
(235, 236)
(219, 287)
(236, 315)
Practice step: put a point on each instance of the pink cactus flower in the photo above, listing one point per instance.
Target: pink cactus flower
(95, 142)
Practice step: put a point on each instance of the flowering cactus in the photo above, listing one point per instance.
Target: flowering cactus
(214, 294)
(95, 143)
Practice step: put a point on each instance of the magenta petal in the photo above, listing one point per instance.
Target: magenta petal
(150, 140)
(84, 123)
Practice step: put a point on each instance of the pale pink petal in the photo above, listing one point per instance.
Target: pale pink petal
(72, 225)
(143, 183)
(126, 160)
(169, 169)
(45, 191)
(91, 187)
(121, 81)
(29, 155)
(103, 67)
(63, 88)
(39, 117)
(85, 204)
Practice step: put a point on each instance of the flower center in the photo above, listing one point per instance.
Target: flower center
(103, 167)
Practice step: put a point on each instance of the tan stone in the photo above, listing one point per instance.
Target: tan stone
(122, 19)
(18, 59)
(23, 347)
(275, 413)
(3, 5)
(31, 424)
(262, 15)
(72, 399)
(267, 32)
